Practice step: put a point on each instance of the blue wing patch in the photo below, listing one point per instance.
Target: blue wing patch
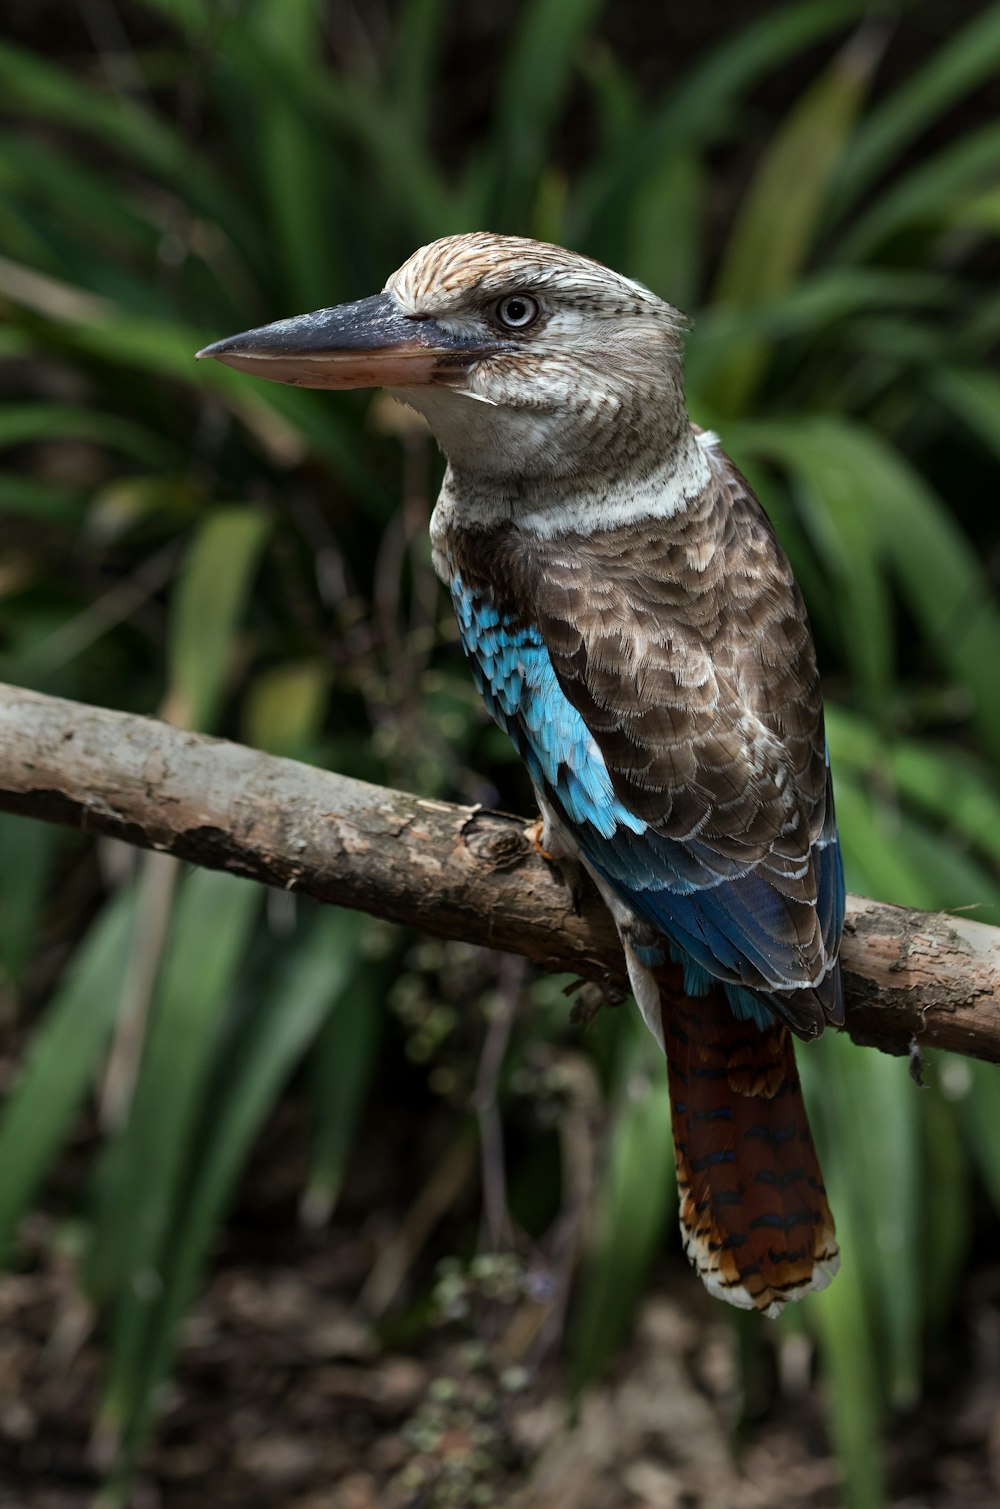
(515, 678)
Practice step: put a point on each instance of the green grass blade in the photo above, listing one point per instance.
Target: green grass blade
(946, 1228)
(43, 176)
(980, 212)
(531, 92)
(780, 215)
(823, 299)
(665, 229)
(316, 979)
(26, 423)
(853, 1409)
(341, 1072)
(208, 603)
(420, 29)
(637, 1196)
(44, 90)
(284, 708)
(952, 880)
(699, 111)
(869, 840)
(616, 100)
(927, 195)
(35, 498)
(27, 851)
(975, 1087)
(61, 1063)
(144, 1169)
(285, 421)
(950, 786)
(956, 68)
(939, 574)
(943, 582)
(706, 98)
(863, 1107)
(973, 396)
(296, 179)
(876, 1108)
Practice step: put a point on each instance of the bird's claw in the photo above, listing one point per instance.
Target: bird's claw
(591, 997)
(535, 834)
(568, 867)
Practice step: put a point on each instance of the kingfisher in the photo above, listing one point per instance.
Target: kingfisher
(634, 626)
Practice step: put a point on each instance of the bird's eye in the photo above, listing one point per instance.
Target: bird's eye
(517, 311)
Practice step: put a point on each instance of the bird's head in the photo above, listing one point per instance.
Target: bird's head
(526, 359)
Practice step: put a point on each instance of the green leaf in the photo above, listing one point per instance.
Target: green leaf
(873, 1219)
(867, 1112)
(209, 600)
(144, 1168)
(947, 784)
(285, 707)
(61, 1063)
(942, 580)
(869, 838)
(822, 299)
(297, 180)
(341, 1070)
(956, 67)
(535, 80)
(874, 505)
(315, 980)
(616, 100)
(665, 237)
(638, 1191)
(779, 217)
(24, 423)
(974, 1088)
(36, 498)
(926, 195)
(698, 112)
(27, 851)
(420, 30)
(980, 211)
(44, 176)
(946, 1227)
(40, 88)
(853, 1411)
(973, 396)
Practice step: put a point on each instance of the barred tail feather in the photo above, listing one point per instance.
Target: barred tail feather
(754, 1215)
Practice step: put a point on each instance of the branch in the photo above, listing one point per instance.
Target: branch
(457, 872)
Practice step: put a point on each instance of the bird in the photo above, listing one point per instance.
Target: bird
(634, 626)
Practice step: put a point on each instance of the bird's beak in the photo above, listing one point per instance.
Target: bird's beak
(369, 344)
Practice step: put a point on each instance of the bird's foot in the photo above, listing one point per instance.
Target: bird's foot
(591, 997)
(545, 841)
(536, 835)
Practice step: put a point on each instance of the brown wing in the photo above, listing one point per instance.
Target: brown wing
(683, 645)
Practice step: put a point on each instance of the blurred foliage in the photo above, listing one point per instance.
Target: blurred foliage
(253, 560)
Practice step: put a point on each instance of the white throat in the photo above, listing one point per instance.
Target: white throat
(548, 509)
(665, 491)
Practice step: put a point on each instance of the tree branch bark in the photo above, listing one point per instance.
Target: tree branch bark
(457, 872)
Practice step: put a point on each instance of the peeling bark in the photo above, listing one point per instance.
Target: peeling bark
(457, 872)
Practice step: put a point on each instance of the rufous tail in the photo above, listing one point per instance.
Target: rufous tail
(754, 1215)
